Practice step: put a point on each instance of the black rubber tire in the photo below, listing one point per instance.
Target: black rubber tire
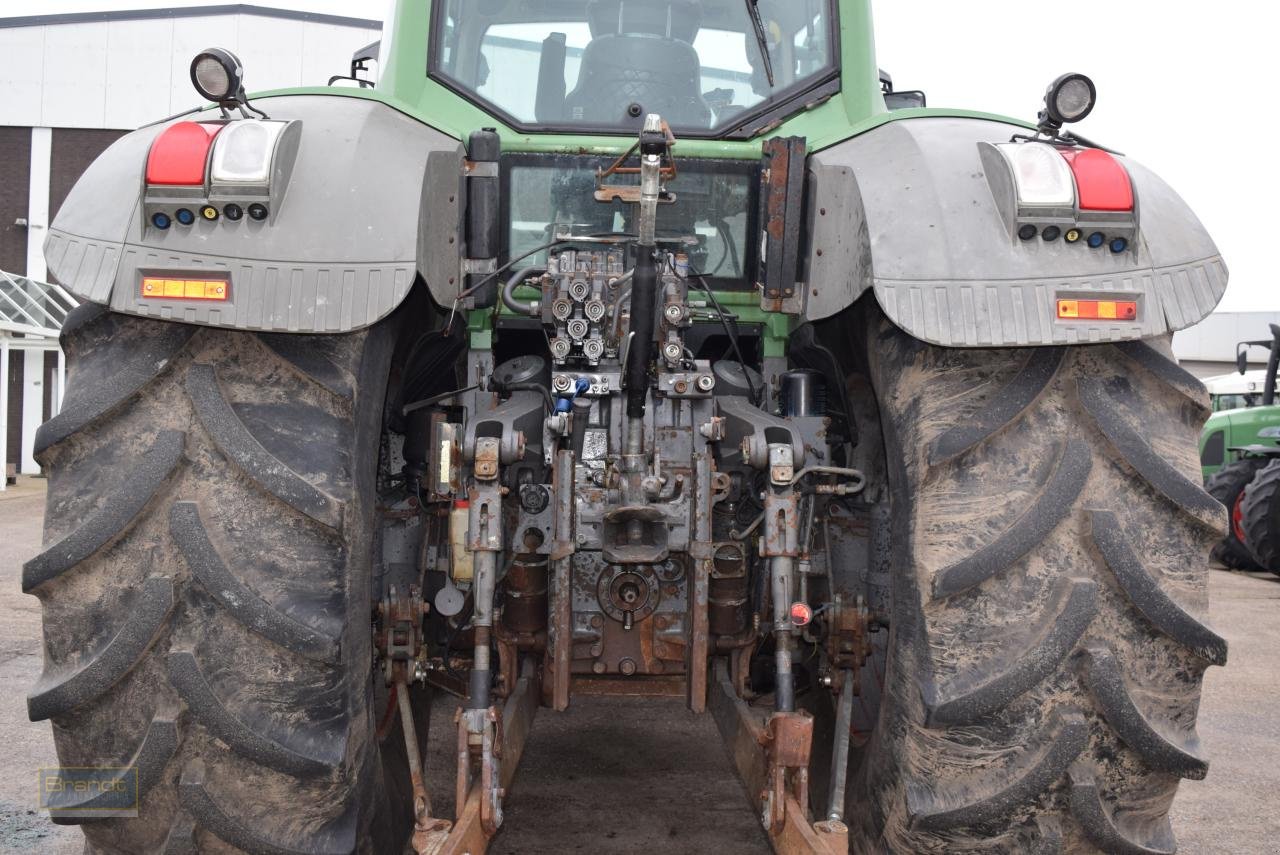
(1049, 565)
(1261, 517)
(1227, 485)
(205, 585)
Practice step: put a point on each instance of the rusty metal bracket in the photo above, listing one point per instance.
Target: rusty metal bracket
(848, 641)
(503, 739)
(782, 178)
(560, 636)
(630, 193)
(397, 636)
(772, 757)
(429, 832)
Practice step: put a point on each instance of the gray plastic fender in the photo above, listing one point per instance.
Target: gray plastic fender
(907, 210)
(372, 202)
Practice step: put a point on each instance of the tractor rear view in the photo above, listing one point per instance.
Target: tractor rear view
(629, 345)
(1240, 456)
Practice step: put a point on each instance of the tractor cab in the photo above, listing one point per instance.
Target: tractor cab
(710, 69)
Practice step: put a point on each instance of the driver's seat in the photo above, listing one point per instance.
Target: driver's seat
(641, 53)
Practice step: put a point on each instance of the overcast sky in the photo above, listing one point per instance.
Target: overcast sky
(1184, 86)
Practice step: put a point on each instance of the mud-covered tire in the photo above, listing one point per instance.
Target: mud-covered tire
(205, 585)
(1260, 517)
(1227, 485)
(1049, 571)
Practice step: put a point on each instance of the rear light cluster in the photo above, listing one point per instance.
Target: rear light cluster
(1081, 195)
(209, 171)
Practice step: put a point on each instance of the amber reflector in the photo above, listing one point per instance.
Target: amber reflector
(1096, 310)
(157, 288)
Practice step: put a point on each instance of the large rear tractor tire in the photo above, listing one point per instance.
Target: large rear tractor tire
(1260, 517)
(205, 586)
(1046, 650)
(1227, 485)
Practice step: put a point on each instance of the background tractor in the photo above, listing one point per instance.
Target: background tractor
(1237, 449)
(618, 342)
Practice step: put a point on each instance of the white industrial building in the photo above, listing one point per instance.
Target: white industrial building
(1209, 348)
(70, 85)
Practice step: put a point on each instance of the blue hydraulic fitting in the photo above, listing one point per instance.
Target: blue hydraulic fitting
(581, 387)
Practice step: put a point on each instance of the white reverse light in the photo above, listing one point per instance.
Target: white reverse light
(1041, 175)
(244, 151)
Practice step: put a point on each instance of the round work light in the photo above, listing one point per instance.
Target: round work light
(217, 75)
(1069, 99)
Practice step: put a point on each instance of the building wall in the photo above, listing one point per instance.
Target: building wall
(1214, 339)
(128, 72)
(15, 185)
(73, 150)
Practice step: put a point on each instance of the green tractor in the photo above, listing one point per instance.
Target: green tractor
(639, 346)
(1237, 450)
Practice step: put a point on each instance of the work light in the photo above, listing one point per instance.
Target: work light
(218, 76)
(1069, 99)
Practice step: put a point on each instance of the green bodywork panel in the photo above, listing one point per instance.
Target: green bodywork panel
(858, 107)
(1228, 429)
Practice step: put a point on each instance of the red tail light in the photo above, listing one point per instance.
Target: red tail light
(1101, 182)
(180, 154)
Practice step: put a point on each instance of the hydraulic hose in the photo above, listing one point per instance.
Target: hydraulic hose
(644, 281)
(509, 293)
(644, 297)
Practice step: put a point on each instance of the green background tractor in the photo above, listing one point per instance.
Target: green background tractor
(626, 343)
(1236, 447)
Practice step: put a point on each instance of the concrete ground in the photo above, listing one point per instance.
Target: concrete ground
(26, 745)
(632, 776)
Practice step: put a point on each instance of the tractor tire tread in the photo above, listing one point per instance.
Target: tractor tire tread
(1261, 517)
(1073, 610)
(1148, 598)
(112, 520)
(210, 569)
(336, 839)
(59, 692)
(293, 753)
(1045, 514)
(1042, 680)
(206, 590)
(1101, 828)
(987, 814)
(158, 747)
(132, 371)
(1104, 676)
(1021, 392)
(1226, 485)
(236, 442)
(1185, 494)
